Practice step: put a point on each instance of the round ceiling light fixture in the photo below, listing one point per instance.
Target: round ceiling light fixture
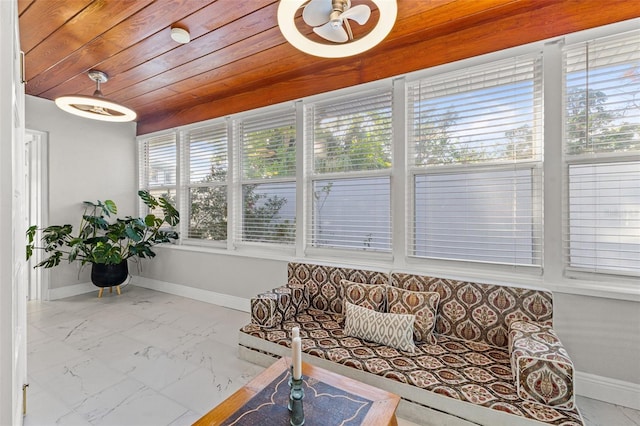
(180, 35)
(327, 18)
(96, 107)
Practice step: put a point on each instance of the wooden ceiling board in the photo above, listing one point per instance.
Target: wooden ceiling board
(168, 56)
(179, 64)
(255, 71)
(238, 59)
(141, 26)
(90, 23)
(44, 18)
(24, 5)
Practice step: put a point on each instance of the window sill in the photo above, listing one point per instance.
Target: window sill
(627, 290)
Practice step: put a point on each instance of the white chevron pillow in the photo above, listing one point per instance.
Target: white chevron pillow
(394, 330)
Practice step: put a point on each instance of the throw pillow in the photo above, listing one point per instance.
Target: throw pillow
(370, 296)
(394, 330)
(422, 304)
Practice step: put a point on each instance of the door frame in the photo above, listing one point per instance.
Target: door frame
(37, 199)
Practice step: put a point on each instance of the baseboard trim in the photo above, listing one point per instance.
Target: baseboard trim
(70, 290)
(613, 391)
(76, 289)
(228, 301)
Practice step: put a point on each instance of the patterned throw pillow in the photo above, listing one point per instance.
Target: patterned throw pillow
(422, 304)
(394, 330)
(370, 296)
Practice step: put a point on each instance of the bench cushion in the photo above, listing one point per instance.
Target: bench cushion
(424, 305)
(323, 282)
(480, 312)
(370, 296)
(542, 370)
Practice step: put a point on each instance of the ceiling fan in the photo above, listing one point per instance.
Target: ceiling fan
(330, 18)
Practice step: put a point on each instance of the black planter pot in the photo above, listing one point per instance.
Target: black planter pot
(109, 275)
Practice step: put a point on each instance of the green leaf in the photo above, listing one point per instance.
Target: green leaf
(150, 220)
(171, 215)
(148, 199)
(133, 234)
(110, 207)
(31, 232)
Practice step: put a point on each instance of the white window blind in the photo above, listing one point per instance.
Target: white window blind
(475, 156)
(268, 158)
(205, 165)
(349, 148)
(158, 165)
(602, 155)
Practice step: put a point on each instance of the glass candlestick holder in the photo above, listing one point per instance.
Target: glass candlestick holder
(296, 395)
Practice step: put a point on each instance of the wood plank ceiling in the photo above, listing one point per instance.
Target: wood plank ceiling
(238, 59)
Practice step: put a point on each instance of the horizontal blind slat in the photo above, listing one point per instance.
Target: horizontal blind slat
(602, 229)
(478, 117)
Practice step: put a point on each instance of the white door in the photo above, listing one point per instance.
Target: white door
(13, 282)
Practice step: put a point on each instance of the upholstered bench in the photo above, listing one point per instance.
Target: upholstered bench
(483, 363)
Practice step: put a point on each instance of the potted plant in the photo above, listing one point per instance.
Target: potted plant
(107, 245)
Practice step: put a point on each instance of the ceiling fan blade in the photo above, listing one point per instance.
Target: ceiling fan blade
(317, 12)
(331, 33)
(359, 13)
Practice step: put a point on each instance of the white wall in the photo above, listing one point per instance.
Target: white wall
(232, 275)
(88, 160)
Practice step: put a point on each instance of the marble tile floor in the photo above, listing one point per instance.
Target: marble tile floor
(151, 358)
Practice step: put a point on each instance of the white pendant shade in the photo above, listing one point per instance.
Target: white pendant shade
(95, 107)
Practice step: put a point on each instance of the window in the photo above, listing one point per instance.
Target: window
(268, 177)
(349, 143)
(205, 169)
(602, 155)
(158, 165)
(475, 161)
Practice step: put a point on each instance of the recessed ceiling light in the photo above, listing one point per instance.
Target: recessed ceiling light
(180, 35)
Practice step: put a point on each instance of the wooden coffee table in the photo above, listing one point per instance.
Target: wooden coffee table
(330, 399)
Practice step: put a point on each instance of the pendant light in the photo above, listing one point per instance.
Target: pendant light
(96, 107)
(332, 20)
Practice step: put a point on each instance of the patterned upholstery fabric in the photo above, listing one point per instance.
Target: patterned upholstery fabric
(393, 330)
(480, 312)
(299, 297)
(263, 310)
(323, 282)
(542, 370)
(468, 371)
(271, 308)
(424, 305)
(370, 296)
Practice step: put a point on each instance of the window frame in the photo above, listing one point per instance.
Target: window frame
(535, 164)
(237, 126)
(186, 186)
(594, 158)
(312, 176)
